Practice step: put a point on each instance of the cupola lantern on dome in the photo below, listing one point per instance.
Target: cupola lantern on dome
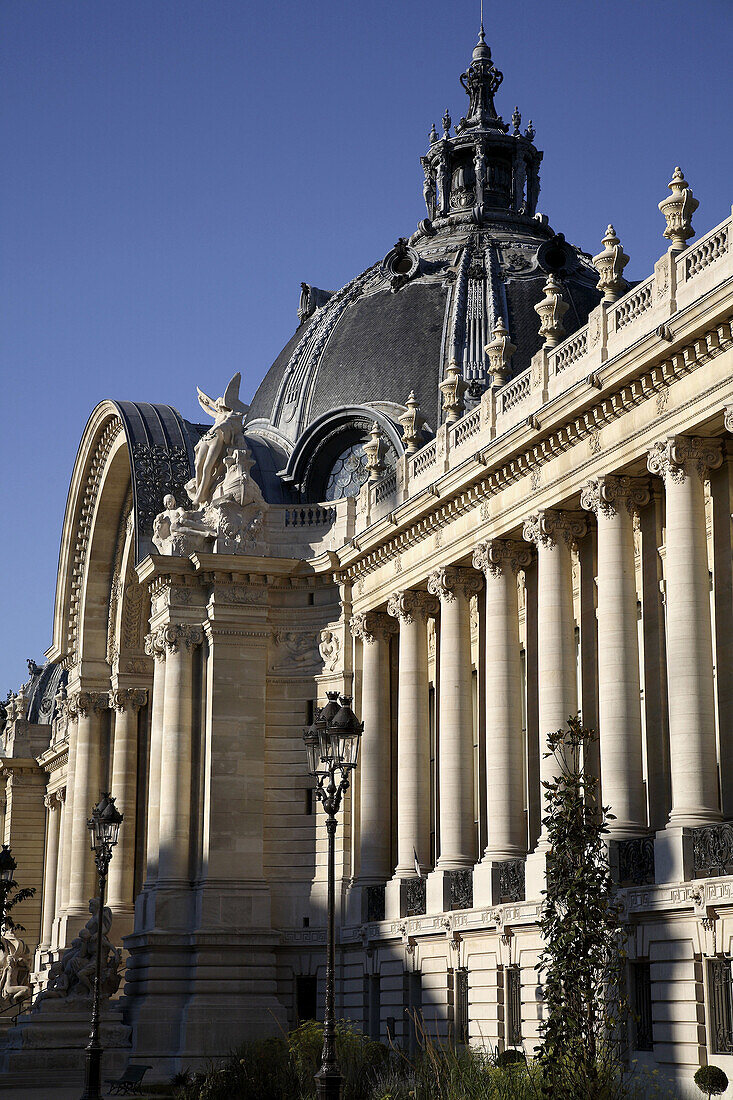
(482, 168)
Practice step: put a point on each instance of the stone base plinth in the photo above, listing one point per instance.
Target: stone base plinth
(673, 855)
(47, 1046)
(191, 998)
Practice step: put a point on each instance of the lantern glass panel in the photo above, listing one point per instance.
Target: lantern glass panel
(313, 752)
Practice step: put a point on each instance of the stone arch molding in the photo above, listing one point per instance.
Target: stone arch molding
(131, 454)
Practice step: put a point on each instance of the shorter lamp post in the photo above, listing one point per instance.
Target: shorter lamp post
(331, 745)
(104, 828)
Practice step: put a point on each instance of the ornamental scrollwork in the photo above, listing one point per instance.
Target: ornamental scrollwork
(548, 527)
(607, 494)
(411, 604)
(497, 556)
(675, 458)
(176, 635)
(445, 583)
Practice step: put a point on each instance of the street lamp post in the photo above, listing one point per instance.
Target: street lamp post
(332, 745)
(104, 827)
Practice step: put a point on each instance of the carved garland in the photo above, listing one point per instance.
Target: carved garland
(651, 383)
(86, 515)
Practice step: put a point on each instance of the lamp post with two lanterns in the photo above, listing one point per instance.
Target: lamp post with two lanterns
(104, 828)
(331, 745)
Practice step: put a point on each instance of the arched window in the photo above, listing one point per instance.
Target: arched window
(348, 473)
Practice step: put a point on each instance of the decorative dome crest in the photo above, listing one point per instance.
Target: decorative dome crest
(481, 81)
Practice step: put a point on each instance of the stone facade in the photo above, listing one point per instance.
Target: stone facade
(564, 545)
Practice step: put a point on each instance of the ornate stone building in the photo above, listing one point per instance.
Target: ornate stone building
(486, 485)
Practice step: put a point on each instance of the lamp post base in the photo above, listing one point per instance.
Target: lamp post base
(328, 1084)
(92, 1074)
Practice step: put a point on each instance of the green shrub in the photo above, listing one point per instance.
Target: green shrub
(510, 1058)
(712, 1080)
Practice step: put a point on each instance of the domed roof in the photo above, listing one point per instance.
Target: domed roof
(482, 255)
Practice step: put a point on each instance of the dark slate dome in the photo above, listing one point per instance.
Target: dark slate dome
(481, 255)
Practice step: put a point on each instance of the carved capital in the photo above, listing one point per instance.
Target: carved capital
(445, 583)
(728, 418)
(499, 556)
(155, 644)
(176, 635)
(607, 494)
(411, 604)
(680, 455)
(52, 800)
(128, 699)
(372, 625)
(546, 528)
(85, 703)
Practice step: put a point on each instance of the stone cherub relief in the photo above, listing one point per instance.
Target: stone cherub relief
(72, 976)
(228, 507)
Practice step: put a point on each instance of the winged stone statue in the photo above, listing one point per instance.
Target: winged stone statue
(225, 434)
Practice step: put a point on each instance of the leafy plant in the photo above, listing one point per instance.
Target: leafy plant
(583, 936)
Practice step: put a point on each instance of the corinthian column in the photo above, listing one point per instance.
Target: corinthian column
(126, 703)
(53, 819)
(553, 533)
(499, 560)
(413, 739)
(614, 499)
(683, 463)
(374, 630)
(457, 830)
(155, 647)
(88, 780)
(175, 772)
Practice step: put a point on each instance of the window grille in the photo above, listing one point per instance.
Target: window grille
(460, 1006)
(513, 1000)
(642, 991)
(720, 995)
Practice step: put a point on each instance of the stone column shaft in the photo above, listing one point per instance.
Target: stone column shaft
(413, 741)
(682, 462)
(175, 772)
(614, 499)
(65, 847)
(374, 629)
(155, 647)
(126, 703)
(88, 782)
(456, 828)
(53, 821)
(500, 560)
(553, 532)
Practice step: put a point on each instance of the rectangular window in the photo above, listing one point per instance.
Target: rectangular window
(310, 707)
(306, 997)
(374, 1005)
(513, 1003)
(641, 990)
(413, 1009)
(460, 1006)
(720, 996)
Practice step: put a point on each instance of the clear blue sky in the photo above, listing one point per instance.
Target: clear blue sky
(172, 169)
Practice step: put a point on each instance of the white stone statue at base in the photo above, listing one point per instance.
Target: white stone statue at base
(229, 509)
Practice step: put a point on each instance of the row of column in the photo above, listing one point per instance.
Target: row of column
(683, 463)
(70, 874)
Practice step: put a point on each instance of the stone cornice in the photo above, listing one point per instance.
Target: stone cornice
(429, 510)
